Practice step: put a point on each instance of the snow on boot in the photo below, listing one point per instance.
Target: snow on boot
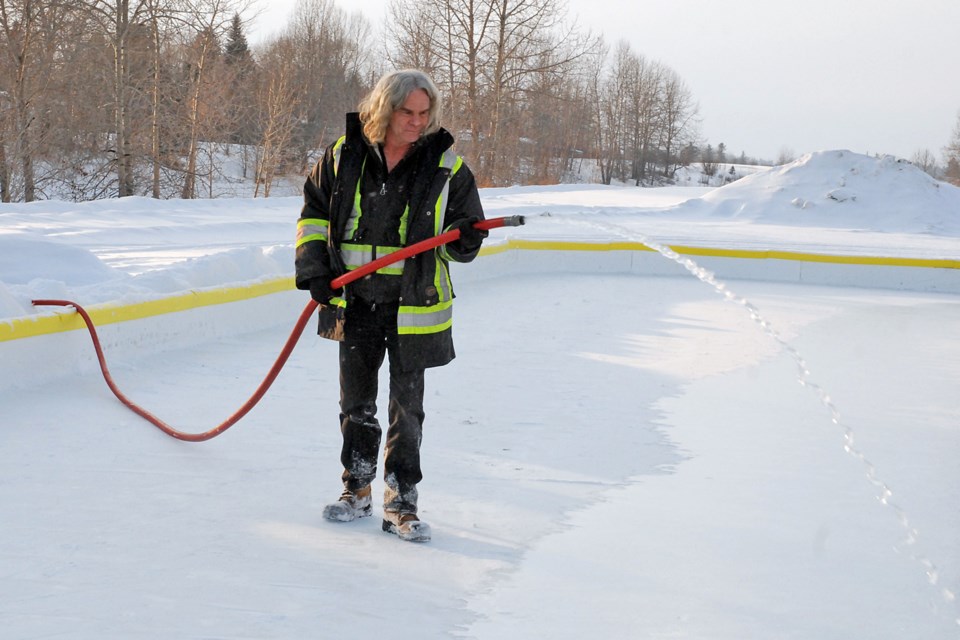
(406, 526)
(350, 506)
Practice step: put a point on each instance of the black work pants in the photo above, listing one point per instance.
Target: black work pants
(370, 333)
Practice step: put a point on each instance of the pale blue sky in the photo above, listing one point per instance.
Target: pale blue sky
(872, 76)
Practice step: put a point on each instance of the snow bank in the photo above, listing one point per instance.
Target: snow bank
(10, 306)
(841, 189)
(24, 258)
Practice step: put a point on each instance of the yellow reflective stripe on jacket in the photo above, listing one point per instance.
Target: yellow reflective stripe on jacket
(441, 277)
(404, 220)
(309, 229)
(424, 320)
(357, 255)
(354, 221)
(449, 160)
(453, 162)
(441, 280)
(337, 148)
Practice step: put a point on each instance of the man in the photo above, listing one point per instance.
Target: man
(391, 181)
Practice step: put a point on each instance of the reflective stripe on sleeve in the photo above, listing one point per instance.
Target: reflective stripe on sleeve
(309, 229)
(353, 222)
(337, 148)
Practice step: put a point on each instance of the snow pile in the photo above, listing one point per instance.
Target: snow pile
(10, 306)
(841, 189)
(25, 258)
(33, 267)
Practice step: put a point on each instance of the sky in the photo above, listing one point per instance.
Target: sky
(633, 458)
(794, 76)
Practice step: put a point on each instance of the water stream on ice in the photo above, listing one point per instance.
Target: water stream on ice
(884, 492)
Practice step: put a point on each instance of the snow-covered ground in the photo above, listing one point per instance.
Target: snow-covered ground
(620, 450)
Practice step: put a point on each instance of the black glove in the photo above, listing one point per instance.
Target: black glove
(321, 292)
(470, 237)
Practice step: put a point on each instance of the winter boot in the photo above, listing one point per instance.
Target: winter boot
(350, 506)
(406, 526)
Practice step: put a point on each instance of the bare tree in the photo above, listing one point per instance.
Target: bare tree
(11, 75)
(491, 58)
(451, 38)
(951, 156)
(77, 158)
(708, 162)
(786, 155)
(332, 66)
(204, 51)
(924, 160)
(952, 173)
(645, 116)
(27, 61)
(121, 22)
(279, 102)
(530, 37)
(420, 35)
(212, 19)
(40, 45)
(678, 120)
(5, 172)
(645, 94)
(613, 113)
(160, 21)
(558, 114)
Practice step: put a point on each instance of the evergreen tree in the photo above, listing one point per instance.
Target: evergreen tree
(237, 51)
(242, 84)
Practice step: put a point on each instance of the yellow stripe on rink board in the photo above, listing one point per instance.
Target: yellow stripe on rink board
(929, 263)
(110, 313)
(565, 245)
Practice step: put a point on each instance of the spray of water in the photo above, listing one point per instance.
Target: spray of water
(884, 493)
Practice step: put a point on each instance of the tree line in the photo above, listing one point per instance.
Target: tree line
(950, 169)
(102, 98)
(106, 98)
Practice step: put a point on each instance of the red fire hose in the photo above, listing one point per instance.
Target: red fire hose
(336, 283)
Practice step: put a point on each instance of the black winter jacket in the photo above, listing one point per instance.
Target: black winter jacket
(417, 180)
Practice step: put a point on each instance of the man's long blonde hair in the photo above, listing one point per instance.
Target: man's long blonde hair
(389, 94)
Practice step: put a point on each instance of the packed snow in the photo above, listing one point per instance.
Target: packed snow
(839, 189)
(629, 445)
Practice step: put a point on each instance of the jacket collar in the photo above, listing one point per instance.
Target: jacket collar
(438, 142)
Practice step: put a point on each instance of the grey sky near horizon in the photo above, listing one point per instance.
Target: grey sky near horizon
(871, 76)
